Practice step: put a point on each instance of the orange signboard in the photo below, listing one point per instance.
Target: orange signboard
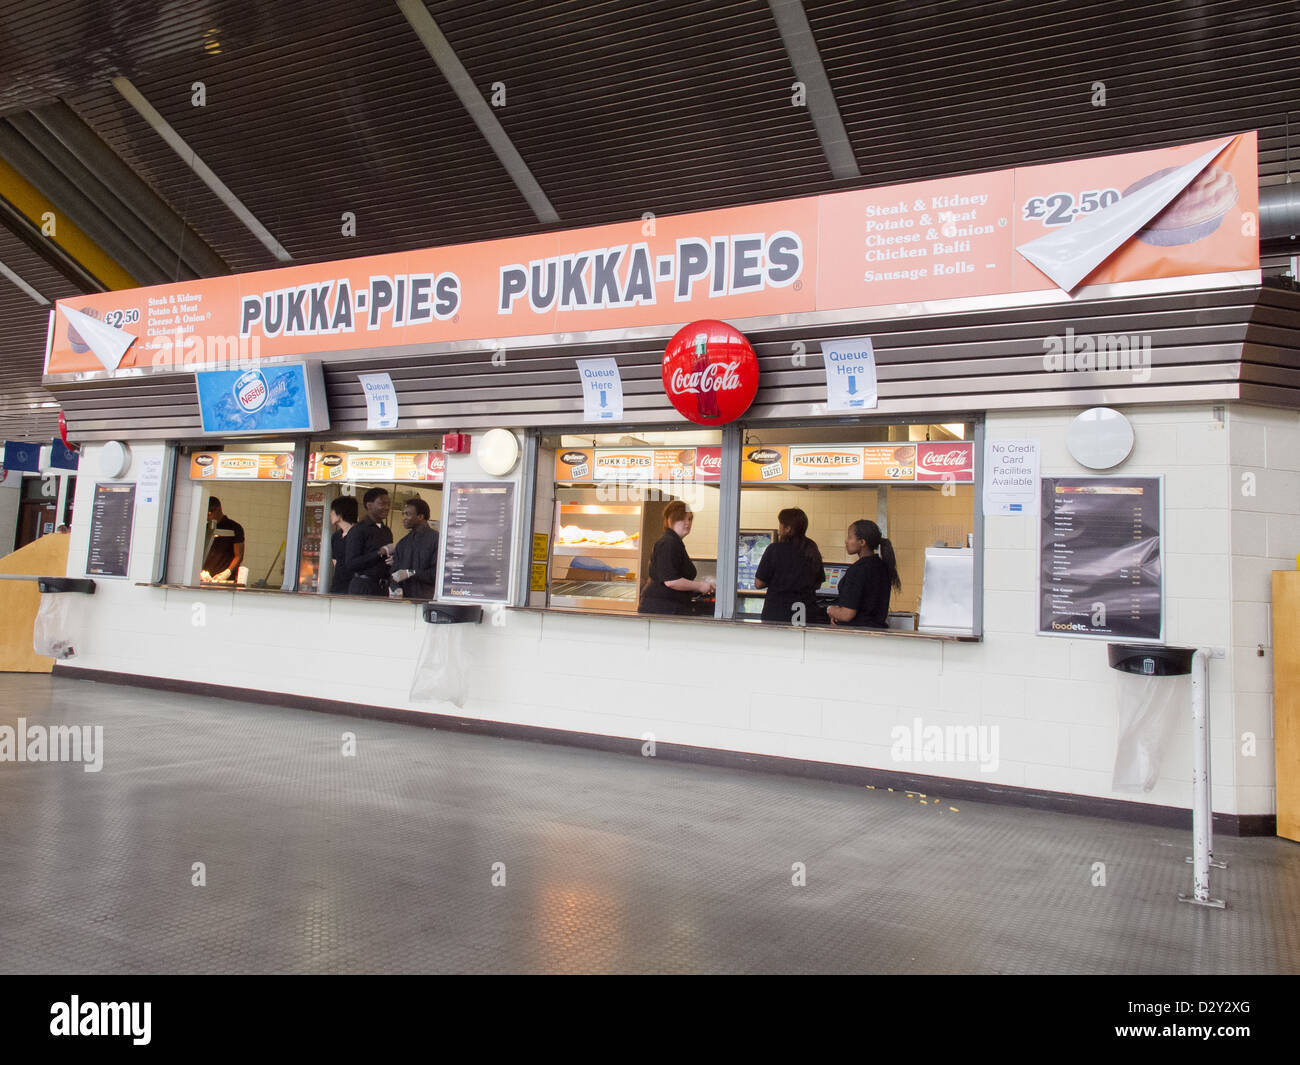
(764, 464)
(921, 242)
(241, 466)
(1212, 227)
(404, 466)
(889, 462)
(845, 462)
(574, 464)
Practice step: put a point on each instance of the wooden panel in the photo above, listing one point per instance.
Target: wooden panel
(19, 601)
(1286, 700)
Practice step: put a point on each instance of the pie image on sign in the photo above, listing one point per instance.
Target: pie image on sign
(1194, 213)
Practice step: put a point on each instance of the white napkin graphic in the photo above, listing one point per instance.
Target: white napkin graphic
(1071, 253)
(108, 343)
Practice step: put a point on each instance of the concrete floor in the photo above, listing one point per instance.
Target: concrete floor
(383, 862)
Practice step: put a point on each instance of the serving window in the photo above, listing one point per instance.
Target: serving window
(230, 517)
(915, 482)
(407, 468)
(606, 496)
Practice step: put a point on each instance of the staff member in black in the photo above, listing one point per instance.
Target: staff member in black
(672, 573)
(343, 516)
(363, 557)
(864, 589)
(791, 570)
(226, 554)
(414, 557)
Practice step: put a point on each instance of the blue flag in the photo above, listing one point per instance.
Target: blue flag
(20, 455)
(63, 458)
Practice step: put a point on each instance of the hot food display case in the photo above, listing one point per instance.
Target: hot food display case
(601, 552)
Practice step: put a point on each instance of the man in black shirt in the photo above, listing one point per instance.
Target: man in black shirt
(414, 557)
(366, 563)
(226, 553)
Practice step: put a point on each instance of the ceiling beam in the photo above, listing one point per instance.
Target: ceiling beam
(79, 139)
(439, 48)
(23, 285)
(801, 47)
(190, 157)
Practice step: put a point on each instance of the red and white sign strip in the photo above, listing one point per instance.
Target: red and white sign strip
(953, 462)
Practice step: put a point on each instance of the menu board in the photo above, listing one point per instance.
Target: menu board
(241, 466)
(1100, 558)
(404, 466)
(951, 461)
(111, 519)
(749, 553)
(476, 542)
(667, 465)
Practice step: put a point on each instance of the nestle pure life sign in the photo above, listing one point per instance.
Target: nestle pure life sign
(271, 398)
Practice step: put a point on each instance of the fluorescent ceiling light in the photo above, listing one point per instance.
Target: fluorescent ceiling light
(191, 159)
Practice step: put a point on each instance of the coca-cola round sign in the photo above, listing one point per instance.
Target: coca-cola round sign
(710, 372)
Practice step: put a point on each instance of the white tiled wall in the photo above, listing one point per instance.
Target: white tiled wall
(815, 694)
(1264, 483)
(262, 508)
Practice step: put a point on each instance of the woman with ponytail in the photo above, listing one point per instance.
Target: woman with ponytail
(791, 571)
(864, 589)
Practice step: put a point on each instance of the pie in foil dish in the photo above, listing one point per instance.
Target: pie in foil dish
(75, 340)
(1194, 213)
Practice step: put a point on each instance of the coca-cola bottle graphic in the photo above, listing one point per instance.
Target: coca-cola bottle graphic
(706, 396)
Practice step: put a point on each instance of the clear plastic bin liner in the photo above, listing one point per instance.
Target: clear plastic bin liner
(440, 671)
(1149, 710)
(52, 633)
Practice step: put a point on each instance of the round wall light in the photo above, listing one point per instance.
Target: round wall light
(114, 458)
(497, 452)
(1100, 438)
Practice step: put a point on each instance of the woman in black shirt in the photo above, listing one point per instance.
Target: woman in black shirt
(791, 570)
(864, 589)
(672, 573)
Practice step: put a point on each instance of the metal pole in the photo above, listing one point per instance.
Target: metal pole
(1201, 808)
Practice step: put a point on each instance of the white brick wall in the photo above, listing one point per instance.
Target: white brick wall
(1264, 481)
(816, 694)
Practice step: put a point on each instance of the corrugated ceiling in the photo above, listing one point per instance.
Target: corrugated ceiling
(617, 108)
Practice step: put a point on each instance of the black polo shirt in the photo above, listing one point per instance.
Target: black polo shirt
(791, 572)
(865, 588)
(668, 562)
(225, 534)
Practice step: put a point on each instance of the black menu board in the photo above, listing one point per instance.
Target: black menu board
(111, 518)
(1099, 548)
(476, 541)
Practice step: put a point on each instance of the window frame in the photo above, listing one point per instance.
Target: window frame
(733, 436)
